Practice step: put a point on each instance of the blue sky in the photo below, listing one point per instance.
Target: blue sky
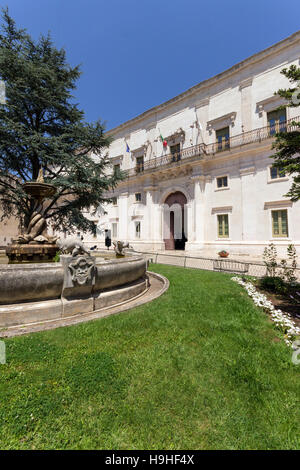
(135, 54)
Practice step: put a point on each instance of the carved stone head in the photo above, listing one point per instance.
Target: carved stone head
(81, 270)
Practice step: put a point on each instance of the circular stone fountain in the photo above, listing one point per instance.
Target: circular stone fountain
(34, 293)
(31, 293)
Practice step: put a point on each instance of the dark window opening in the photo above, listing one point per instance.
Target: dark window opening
(222, 182)
(277, 121)
(175, 152)
(139, 164)
(222, 136)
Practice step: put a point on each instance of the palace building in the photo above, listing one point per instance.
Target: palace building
(199, 172)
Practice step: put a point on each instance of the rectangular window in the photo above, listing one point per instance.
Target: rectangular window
(275, 173)
(114, 201)
(222, 182)
(279, 223)
(223, 226)
(222, 136)
(117, 168)
(139, 164)
(114, 230)
(138, 197)
(277, 121)
(175, 152)
(137, 229)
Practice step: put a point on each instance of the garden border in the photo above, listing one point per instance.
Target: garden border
(197, 262)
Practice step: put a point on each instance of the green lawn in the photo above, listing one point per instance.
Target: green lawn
(199, 368)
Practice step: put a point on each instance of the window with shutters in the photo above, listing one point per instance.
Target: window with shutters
(280, 223)
(222, 137)
(277, 121)
(223, 226)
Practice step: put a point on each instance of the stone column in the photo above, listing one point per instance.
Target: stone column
(149, 214)
(246, 104)
(198, 211)
(152, 216)
(123, 216)
(248, 204)
(189, 223)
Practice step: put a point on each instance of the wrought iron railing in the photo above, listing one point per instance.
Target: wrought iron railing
(168, 160)
(208, 151)
(256, 135)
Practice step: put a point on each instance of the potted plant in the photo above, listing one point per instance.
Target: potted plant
(223, 253)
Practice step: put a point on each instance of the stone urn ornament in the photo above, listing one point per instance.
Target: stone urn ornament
(34, 244)
(223, 254)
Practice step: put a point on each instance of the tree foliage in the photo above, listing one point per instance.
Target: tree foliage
(287, 144)
(42, 127)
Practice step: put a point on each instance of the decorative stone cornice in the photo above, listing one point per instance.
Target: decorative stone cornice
(215, 210)
(246, 83)
(179, 134)
(150, 188)
(202, 103)
(275, 204)
(139, 151)
(247, 171)
(150, 126)
(117, 159)
(269, 103)
(228, 119)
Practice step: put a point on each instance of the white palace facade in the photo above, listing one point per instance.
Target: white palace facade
(213, 163)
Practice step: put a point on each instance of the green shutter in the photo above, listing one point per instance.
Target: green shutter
(226, 228)
(223, 226)
(280, 223)
(284, 226)
(220, 225)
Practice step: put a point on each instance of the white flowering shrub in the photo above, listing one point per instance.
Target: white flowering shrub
(288, 267)
(288, 271)
(282, 320)
(270, 259)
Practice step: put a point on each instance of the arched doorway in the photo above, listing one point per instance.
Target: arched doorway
(174, 221)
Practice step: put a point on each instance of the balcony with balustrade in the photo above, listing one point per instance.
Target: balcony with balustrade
(209, 151)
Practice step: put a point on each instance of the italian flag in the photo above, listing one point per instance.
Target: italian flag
(165, 143)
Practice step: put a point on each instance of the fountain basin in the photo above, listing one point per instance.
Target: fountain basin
(39, 190)
(28, 253)
(36, 292)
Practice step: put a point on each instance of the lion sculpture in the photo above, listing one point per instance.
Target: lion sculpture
(72, 246)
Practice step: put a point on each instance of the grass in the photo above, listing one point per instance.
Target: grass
(199, 368)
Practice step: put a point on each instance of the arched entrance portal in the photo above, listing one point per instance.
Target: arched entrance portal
(174, 221)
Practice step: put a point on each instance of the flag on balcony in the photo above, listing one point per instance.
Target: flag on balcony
(127, 148)
(165, 143)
